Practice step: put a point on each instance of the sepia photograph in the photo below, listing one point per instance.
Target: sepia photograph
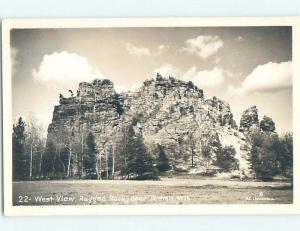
(134, 113)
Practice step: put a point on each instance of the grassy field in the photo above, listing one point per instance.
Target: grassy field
(165, 191)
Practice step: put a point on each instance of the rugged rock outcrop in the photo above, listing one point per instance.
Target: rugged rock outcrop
(167, 111)
(96, 107)
(249, 120)
(267, 124)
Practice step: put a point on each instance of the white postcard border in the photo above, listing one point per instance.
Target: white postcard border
(204, 209)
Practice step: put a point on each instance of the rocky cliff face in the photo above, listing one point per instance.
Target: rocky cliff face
(169, 112)
(96, 107)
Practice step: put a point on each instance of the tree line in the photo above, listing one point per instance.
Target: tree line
(271, 155)
(34, 158)
(27, 150)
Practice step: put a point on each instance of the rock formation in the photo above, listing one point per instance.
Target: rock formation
(167, 111)
(249, 120)
(267, 124)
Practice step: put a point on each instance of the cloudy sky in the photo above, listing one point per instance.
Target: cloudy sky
(245, 66)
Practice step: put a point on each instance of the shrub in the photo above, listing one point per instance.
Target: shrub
(264, 152)
(225, 158)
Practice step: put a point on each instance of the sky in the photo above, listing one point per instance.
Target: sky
(244, 66)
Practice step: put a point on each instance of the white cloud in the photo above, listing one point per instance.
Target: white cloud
(203, 46)
(203, 78)
(160, 50)
(270, 77)
(137, 51)
(167, 70)
(40, 119)
(206, 78)
(217, 60)
(64, 70)
(143, 51)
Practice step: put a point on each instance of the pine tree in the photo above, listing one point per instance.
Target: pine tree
(163, 161)
(20, 165)
(64, 156)
(263, 158)
(48, 159)
(90, 159)
(285, 154)
(225, 158)
(59, 167)
(126, 149)
(140, 162)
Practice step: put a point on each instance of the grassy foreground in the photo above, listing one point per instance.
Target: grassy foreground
(165, 191)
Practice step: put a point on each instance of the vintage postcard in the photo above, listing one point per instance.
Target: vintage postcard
(151, 116)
